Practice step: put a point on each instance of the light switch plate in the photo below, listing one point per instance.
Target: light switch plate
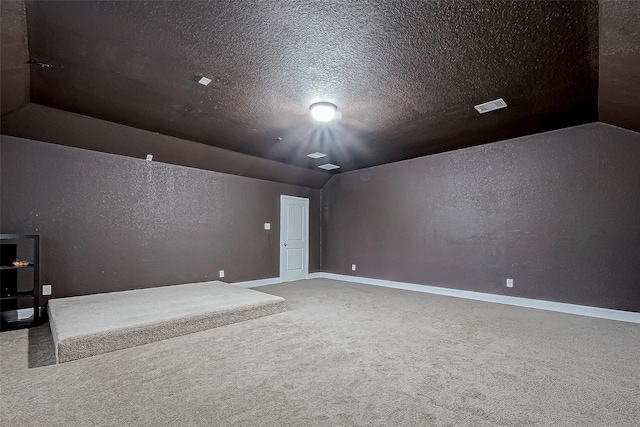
(221, 273)
(46, 289)
(267, 226)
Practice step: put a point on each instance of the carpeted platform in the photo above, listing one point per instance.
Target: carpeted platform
(94, 324)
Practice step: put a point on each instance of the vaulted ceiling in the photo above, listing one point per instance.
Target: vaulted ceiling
(404, 74)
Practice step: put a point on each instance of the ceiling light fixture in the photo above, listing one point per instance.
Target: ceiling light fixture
(323, 111)
(204, 81)
(316, 155)
(329, 166)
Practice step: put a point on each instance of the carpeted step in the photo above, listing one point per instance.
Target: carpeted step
(88, 325)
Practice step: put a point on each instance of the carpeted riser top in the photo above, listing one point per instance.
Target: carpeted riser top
(93, 324)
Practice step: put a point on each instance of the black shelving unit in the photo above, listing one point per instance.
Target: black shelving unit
(19, 285)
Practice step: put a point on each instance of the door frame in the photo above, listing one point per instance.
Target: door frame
(306, 233)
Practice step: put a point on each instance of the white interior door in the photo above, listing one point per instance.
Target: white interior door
(294, 238)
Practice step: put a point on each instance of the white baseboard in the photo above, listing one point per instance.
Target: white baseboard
(581, 310)
(270, 281)
(256, 283)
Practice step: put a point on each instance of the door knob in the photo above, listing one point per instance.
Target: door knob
(285, 244)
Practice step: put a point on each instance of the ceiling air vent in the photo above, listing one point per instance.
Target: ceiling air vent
(496, 104)
(329, 166)
(316, 155)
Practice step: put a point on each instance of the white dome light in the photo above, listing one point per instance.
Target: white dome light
(323, 111)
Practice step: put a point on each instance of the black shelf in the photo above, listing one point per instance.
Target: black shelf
(11, 298)
(15, 267)
(19, 294)
(19, 324)
(9, 236)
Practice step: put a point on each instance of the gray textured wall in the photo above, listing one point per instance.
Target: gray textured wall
(558, 212)
(112, 223)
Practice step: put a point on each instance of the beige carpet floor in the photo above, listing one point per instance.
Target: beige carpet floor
(345, 355)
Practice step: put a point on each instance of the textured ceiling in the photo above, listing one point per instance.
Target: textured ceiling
(14, 57)
(404, 74)
(619, 94)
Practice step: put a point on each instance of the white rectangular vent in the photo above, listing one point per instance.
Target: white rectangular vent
(496, 104)
(316, 155)
(329, 166)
